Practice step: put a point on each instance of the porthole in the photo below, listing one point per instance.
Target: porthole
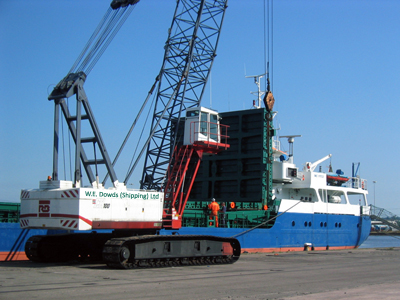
(293, 223)
(321, 224)
(340, 225)
(305, 223)
(309, 224)
(335, 224)
(325, 224)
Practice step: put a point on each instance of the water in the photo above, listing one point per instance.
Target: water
(381, 241)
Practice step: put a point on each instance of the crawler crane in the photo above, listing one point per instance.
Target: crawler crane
(117, 224)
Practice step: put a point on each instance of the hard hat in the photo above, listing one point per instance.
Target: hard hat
(213, 199)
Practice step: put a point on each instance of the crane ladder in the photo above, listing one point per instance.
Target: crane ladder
(179, 184)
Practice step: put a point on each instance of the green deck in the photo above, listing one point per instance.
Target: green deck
(9, 212)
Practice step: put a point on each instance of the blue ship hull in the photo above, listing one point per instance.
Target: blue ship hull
(291, 232)
(13, 239)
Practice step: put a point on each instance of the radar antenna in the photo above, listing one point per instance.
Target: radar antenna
(290, 141)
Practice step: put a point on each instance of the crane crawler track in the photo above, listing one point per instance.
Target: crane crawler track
(169, 250)
(66, 247)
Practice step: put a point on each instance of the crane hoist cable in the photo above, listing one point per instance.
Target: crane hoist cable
(123, 16)
(104, 33)
(268, 39)
(90, 41)
(134, 124)
(140, 138)
(154, 128)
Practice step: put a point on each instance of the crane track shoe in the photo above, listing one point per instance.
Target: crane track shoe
(153, 251)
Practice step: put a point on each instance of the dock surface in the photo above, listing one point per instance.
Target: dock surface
(344, 274)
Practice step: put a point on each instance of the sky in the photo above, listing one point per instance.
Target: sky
(334, 67)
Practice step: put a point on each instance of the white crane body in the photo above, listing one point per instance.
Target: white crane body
(57, 205)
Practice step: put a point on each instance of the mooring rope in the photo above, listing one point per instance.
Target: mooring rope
(269, 220)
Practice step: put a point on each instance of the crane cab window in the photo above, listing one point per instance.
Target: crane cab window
(214, 127)
(192, 113)
(204, 123)
(201, 125)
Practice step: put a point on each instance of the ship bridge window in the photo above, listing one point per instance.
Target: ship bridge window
(329, 196)
(357, 199)
(304, 195)
(323, 195)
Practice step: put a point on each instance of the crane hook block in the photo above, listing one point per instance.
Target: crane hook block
(269, 101)
(115, 4)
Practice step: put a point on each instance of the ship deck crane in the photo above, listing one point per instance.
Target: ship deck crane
(135, 216)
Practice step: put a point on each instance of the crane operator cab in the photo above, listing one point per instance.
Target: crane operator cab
(202, 127)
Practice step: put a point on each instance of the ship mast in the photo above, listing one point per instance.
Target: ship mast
(259, 93)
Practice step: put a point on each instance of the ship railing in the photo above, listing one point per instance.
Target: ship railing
(356, 183)
(9, 212)
(9, 219)
(227, 220)
(276, 144)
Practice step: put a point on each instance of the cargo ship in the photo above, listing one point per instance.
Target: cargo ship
(308, 209)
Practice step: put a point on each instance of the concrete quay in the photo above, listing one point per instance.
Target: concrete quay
(343, 274)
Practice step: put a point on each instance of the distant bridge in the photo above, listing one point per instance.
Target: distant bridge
(385, 217)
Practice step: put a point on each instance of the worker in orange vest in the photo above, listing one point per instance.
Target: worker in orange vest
(214, 206)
